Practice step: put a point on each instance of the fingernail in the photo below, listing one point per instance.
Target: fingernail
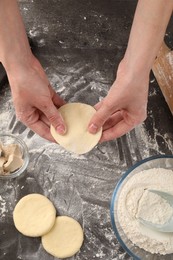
(93, 128)
(61, 129)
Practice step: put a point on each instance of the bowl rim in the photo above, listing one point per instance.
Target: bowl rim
(18, 172)
(113, 199)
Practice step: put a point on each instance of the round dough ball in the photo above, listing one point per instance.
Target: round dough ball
(65, 238)
(77, 139)
(34, 215)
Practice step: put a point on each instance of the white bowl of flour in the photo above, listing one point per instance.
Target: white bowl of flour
(131, 200)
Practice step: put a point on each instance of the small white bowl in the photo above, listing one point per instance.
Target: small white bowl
(7, 139)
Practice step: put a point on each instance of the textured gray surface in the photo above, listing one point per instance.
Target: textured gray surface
(3, 76)
(79, 44)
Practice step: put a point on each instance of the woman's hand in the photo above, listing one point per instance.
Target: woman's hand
(124, 107)
(35, 100)
(126, 103)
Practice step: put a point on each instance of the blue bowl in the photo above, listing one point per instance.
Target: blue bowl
(159, 161)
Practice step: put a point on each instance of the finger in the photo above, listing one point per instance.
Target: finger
(31, 118)
(54, 117)
(57, 100)
(44, 119)
(42, 130)
(98, 105)
(113, 120)
(117, 131)
(99, 118)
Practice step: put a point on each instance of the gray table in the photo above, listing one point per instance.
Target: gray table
(80, 44)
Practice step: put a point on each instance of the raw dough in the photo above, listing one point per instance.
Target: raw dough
(2, 162)
(14, 162)
(34, 215)
(11, 149)
(65, 238)
(77, 139)
(10, 158)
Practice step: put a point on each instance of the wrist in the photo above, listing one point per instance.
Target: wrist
(22, 71)
(12, 62)
(133, 72)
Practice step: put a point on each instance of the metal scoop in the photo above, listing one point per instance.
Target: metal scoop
(168, 226)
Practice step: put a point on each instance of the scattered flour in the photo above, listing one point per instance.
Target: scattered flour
(135, 201)
(2, 207)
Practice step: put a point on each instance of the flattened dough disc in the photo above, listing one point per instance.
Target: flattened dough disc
(34, 215)
(64, 239)
(77, 139)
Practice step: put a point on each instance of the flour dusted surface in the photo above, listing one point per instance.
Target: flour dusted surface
(136, 201)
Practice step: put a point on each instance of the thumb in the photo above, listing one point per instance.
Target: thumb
(55, 119)
(99, 118)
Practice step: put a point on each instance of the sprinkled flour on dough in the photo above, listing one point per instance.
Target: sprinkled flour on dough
(135, 201)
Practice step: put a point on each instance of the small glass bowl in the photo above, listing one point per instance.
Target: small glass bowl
(159, 161)
(6, 139)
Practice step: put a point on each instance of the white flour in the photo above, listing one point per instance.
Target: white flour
(153, 208)
(136, 201)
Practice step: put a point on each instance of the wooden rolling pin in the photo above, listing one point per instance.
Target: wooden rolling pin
(163, 72)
